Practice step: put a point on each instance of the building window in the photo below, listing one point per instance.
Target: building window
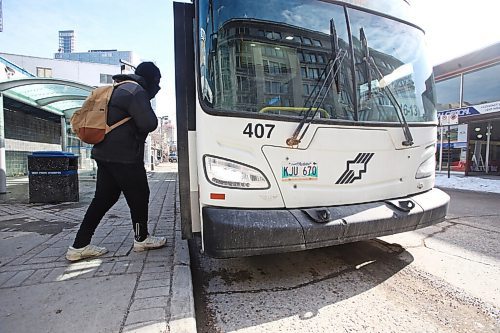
(244, 83)
(244, 62)
(310, 57)
(43, 72)
(300, 55)
(106, 79)
(273, 87)
(242, 47)
(273, 35)
(307, 41)
(317, 43)
(448, 94)
(242, 31)
(313, 73)
(303, 72)
(226, 82)
(481, 86)
(271, 67)
(305, 88)
(274, 67)
(273, 52)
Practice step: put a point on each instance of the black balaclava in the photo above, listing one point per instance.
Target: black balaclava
(151, 75)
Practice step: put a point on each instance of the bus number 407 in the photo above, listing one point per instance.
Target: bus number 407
(259, 130)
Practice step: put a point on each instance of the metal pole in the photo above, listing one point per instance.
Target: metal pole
(161, 139)
(449, 151)
(64, 134)
(3, 169)
(441, 147)
(488, 136)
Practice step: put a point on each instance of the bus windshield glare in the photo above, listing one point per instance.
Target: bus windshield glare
(272, 58)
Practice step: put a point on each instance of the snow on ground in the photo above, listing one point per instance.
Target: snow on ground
(468, 183)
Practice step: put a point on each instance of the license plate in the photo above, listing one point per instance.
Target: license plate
(299, 171)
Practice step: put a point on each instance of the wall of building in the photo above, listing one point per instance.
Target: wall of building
(88, 73)
(24, 134)
(110, 57)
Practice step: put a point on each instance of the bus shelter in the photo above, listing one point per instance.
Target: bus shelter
(47, 98)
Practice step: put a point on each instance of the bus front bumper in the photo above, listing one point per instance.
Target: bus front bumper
(229, 232)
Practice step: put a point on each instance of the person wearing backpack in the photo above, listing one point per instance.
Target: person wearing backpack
(120, 162)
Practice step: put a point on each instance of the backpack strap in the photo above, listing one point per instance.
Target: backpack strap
(124, 120)
(115, 125)
(116, 84)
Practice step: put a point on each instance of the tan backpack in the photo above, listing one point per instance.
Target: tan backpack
(89, 122)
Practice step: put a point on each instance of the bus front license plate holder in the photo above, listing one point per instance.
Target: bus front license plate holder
(293, 171)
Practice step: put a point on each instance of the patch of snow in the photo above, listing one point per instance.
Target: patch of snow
(468, 183)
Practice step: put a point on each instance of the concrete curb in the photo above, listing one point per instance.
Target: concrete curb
(182, 314)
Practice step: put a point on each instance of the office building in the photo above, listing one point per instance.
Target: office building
(66, 41)
(109, 57)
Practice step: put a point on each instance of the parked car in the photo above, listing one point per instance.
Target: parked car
(172, 157)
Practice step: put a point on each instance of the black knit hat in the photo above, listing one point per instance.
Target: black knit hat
(148, 71)
(151, 75)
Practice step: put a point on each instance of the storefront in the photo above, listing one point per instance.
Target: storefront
(468, 102)
(474, 143)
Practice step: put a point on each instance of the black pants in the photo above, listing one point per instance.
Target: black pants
(112, 180)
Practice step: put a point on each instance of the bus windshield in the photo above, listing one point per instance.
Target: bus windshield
(269, 58)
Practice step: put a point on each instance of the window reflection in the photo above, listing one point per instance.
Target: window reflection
(397, 54)
(448, 94)
(482, 86)
(259, 57)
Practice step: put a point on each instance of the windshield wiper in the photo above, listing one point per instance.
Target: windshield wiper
(333, 67)
(371, 65)
(335, 49)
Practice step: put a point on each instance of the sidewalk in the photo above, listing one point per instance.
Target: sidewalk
(122, 291)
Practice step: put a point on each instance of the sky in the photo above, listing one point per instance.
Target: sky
(30, 27)
(457, 27)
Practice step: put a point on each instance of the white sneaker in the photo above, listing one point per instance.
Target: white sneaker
(150, 243)
(85, 252)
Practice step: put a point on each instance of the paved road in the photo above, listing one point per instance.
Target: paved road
(440, 279)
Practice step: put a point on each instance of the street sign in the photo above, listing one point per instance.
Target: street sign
(450, 118)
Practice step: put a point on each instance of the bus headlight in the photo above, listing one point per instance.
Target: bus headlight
(427, 168)
(231, 174)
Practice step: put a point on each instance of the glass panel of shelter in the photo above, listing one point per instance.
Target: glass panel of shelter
(37, 92)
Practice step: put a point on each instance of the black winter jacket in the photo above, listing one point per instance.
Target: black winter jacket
(125, 144)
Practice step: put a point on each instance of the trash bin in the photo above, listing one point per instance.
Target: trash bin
(53, 176)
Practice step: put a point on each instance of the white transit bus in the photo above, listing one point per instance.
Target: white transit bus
(303, 124)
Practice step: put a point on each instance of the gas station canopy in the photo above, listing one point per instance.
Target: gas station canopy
(58, 97)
